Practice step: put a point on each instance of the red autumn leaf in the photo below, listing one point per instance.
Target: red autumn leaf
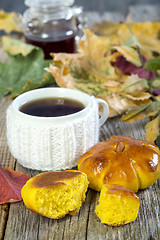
(11, 183)
(129, 68)
(156, 92)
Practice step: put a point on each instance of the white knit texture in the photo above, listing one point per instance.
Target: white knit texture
(45, 147)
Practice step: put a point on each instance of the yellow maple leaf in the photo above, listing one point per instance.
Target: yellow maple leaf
(118, 104)
(157, 98)
(14, 47)
(147, 34)
(130, 54)
(107, 28)
(152, 130)
(7, 22)
(135, 86)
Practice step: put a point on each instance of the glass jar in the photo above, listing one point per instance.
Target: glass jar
(51, 25)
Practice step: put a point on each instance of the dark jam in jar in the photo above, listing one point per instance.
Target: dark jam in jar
(59, 39)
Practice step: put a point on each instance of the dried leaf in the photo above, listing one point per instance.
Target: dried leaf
(155, 82)
(129, 68)
(25, 70)
(134, 85)
(113, 68)
(130, 54)
(147, 110)
(107, 28)
(146, 34)
(153, 109)
(138, 97)
(135, 114)
(157, 98)
(99, 76)
(152, 130)
(132, 42)
(11, 183)
(7, 23)
(153, 64)
(118, 104)
(14, 47)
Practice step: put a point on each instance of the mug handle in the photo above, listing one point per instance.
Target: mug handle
(105, 112)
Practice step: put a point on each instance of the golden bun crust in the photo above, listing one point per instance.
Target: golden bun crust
(123, 160)
(53, 178)
(56, 193)
(117, 205)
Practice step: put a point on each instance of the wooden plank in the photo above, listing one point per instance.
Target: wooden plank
(3, 219)
(147, 224)
(24, 224)
(6, 160)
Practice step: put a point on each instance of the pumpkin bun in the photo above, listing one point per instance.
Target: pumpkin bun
(56, 193)
(117, 205)
(118, 168)
(122, 160)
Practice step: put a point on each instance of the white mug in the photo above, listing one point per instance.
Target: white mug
(53, 143)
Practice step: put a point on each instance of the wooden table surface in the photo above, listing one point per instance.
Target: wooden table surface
(18, 223)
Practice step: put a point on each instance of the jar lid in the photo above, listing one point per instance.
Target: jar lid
(48, 3)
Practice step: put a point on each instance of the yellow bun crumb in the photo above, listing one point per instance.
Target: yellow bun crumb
(117, 205)
(56, 193)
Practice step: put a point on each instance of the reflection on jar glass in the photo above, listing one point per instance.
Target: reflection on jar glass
(51, 25)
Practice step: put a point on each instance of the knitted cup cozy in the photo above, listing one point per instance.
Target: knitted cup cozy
(44, 146)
